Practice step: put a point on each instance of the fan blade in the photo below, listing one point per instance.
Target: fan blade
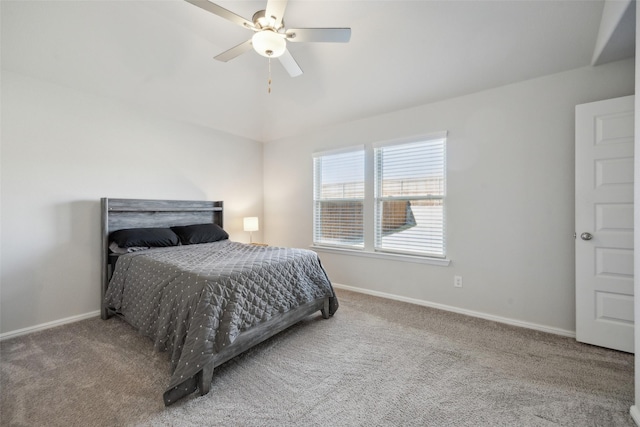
(331, 35)
(234, 51)
(275, 9)
(290, 64)
(222, 12)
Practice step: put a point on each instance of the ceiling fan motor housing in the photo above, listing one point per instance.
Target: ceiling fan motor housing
(262, 21)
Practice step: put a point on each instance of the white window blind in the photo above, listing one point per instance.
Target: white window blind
(339, 199)
(409, 197)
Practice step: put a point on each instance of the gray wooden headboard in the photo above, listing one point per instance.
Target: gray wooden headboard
(119, 214)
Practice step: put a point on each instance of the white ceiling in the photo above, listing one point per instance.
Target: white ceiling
(159, 55)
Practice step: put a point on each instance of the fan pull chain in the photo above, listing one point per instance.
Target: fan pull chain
(269, 81)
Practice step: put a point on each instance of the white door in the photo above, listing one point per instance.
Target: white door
(604, 223)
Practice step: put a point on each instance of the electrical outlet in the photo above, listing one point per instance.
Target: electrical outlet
(457, 281)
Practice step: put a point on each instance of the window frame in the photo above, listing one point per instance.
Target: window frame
(369, 248)
(379, 199)
(318, 200)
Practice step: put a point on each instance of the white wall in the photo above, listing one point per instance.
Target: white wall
(510, 201)
(63, 150)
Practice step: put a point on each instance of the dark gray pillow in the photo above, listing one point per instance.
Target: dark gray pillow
(150, 237)
(200, 233)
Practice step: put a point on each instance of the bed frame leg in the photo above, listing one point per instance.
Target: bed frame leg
(204, 378)
(325, 309)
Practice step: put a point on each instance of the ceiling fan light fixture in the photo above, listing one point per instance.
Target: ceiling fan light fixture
(268, 44)
(270, 35)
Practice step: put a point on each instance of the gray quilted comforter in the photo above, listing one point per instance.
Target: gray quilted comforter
(194, 300)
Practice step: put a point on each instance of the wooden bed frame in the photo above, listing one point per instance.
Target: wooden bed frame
(118, 214)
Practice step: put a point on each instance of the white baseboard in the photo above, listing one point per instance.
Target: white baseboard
(635, 414)
(514, 322)
(48, 325)
(424, 303)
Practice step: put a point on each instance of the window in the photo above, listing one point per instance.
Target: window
(409, 197)
(339, 199)
(394, 205)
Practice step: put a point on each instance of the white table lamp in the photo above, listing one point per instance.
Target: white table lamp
(251, 225)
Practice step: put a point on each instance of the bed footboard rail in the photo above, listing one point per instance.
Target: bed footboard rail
(250, 338)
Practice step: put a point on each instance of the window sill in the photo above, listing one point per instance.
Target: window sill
(443, 262)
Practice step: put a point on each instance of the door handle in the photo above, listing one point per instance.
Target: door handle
(586, 236)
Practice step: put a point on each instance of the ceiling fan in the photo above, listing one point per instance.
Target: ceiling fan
(270, 35)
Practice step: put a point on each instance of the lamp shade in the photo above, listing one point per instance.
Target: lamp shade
(268, 43)
(251, 223)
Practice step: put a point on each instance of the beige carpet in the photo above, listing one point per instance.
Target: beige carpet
(375, 363)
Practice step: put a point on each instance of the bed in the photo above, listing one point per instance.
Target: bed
(169, 270)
